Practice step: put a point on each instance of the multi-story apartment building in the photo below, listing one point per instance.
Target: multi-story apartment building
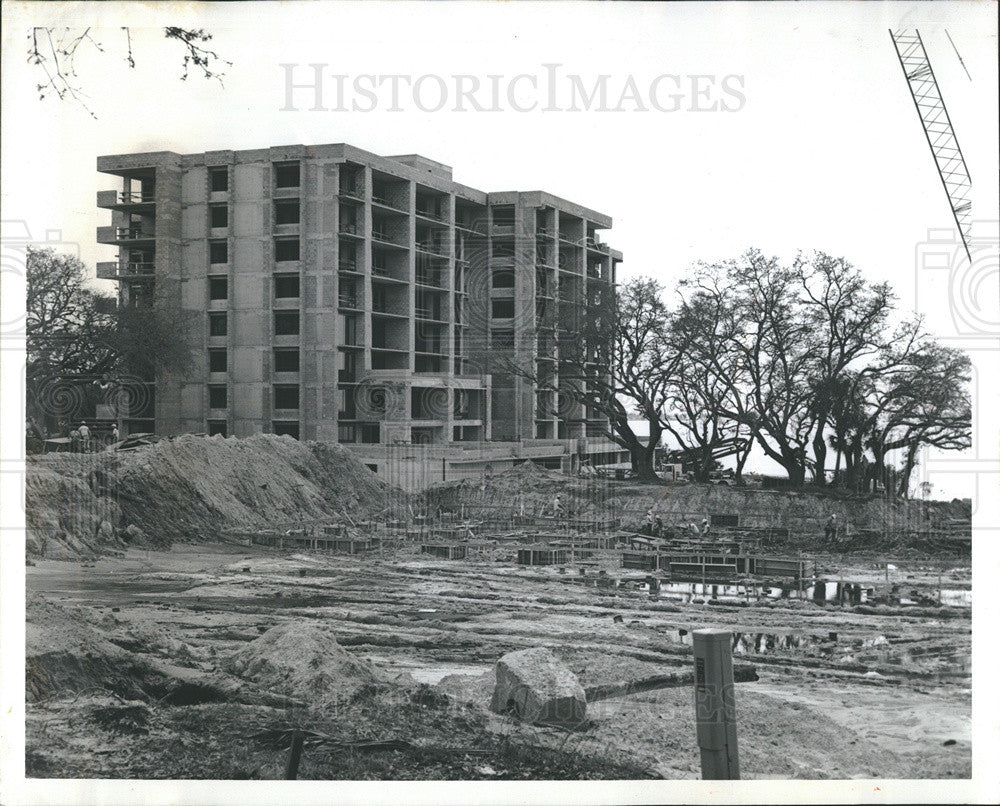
(342, 296)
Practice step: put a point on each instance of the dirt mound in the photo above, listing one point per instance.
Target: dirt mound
(66, 653)
(527, 472)
(69, 651)
(525, 489)
(190, 488)
(303, 660)
(63, 516)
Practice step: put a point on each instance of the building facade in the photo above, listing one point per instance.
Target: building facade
(333, 294)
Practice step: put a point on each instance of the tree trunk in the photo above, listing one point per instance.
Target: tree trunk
(741, 460)
(819, 452)
(903, 490)
(794, 466)
(878, 468)
(645, 471)
(642, 461)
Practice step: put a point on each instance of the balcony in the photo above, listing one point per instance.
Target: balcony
(383, 274)
(348, 301)
(471, 227)
(396, 310)
(432, 248)
(383, 200)
(348, 266)
(432, 279)
(432, 215)
(385, 237)
(428, 313)
(349, 228)
(351, 191)
(124, 235)
(120, 200)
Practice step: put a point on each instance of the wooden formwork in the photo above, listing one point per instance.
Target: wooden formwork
(445, 552)
(541, 556)
(702, 566)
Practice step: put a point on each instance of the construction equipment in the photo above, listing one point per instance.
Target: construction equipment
(937, 127)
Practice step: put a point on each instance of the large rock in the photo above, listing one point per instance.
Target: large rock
(303, 660)
(538, 688)
(106, 534)
(134, 536)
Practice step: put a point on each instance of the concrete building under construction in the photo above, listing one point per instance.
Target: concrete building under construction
(342, 296)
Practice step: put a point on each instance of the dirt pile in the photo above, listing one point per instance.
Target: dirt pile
(71, 651)
(66, 653)
(190, 488)
(303, 660)
(873, 523)
(802, 511)
(525, 489)
(63, 515)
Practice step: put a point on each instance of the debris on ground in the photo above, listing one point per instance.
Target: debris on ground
(183, 652)
(304, 660)
(536, 687)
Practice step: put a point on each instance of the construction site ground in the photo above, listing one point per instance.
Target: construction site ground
(130, 673)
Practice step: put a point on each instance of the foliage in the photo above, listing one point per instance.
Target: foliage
(80, 343)
(793, 353)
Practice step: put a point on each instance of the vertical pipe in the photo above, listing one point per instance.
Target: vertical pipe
(715, 704)
(294, 754)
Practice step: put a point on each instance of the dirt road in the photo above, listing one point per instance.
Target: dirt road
(843, 693)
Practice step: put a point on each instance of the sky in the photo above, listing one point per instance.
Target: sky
(814, 143)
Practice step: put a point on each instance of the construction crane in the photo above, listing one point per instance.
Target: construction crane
(937, 127)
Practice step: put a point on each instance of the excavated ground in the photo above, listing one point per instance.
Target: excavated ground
(865, 692)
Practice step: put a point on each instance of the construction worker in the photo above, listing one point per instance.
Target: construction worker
(84, 432)
(658, 526)
(704, 527)
(649, 522)
(556, 506)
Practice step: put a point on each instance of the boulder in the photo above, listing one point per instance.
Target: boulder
(106, 534)
(134, 536)
(303, 660)
(538, 688)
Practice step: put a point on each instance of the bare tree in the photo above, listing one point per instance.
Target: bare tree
(846, 318)
(704, 389)
(924, 403)
(617, 364)
(77, 338)
(54, 51)
(769, 377)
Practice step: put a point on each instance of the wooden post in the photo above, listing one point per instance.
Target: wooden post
(715, 704)
(294, 754)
